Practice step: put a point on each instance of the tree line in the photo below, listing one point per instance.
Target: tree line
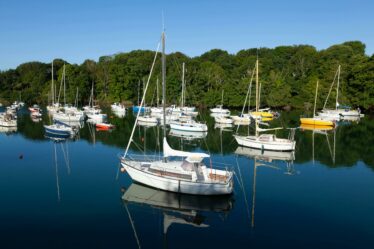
(287, 74)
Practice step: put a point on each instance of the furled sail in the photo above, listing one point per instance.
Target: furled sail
(168, 151)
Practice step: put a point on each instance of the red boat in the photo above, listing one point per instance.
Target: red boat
(104, 126)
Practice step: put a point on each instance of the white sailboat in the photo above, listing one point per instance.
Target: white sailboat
(188, 110)
(63, 116)
(187, 175)
(339, 111)
(94, 112)
(118, 108)
(245, 118)
(266, 141)
(219, 110)
(222, 119)
(188, 125)
(54, 106)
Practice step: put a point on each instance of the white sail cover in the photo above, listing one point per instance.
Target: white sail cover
(191, 156)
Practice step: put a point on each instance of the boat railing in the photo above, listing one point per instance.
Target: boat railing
(143, 157)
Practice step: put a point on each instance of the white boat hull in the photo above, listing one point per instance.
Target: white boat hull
(11, 123)
(178, 186)
(151, 120)
(186, 127)
(251, 142)
(223, 120)
(340, 113)
(67, 118)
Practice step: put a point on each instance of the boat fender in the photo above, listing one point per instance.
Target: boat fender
(123, 170)
(262, 149)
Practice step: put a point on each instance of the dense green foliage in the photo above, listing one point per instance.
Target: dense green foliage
(287, 74)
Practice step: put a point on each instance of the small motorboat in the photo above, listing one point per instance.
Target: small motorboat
(104, 126)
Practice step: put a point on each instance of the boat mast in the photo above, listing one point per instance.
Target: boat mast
(257, 98)
(158, 98)
(52, 89)
(315, 101)
(183, 86)
(64, 87)
(257, 87)
(163, 84)
(222, 98)
(76, 99)
(337, 90)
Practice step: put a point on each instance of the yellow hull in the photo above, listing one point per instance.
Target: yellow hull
(316, 122)
(262, 114)
(316, 127)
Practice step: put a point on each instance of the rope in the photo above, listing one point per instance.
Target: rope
(141, 103)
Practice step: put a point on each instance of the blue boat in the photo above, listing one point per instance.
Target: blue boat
(140, 109)
(58, 130)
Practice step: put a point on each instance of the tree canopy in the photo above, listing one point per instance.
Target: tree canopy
(288, 75)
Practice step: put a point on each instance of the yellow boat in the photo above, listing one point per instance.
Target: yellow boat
(316, 127)
(261, 114)
(316, 122)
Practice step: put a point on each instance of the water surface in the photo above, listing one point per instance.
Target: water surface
(71, 194)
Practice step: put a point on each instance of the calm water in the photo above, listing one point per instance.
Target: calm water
(72, 195)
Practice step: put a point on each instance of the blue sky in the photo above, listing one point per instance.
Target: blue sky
(74, 30)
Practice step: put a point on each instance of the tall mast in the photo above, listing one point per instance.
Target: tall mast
(76, 99)
(163, 82)
(315, 101)
(183, 86)
(52, 89)
(222, 97)
(143, 92)
(158, 98)
(257, 87)
(64, 86)
(337, 89)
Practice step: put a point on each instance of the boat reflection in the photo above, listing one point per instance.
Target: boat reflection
(266, 155)
(175, 208)
(119, 113)
(188, 135)
(65, 153)
(324, 131)
(146, 124)
(263, 158)
(223, 126)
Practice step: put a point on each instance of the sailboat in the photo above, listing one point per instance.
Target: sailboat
(63, 116)
(118, 109)
(54, 106)
(222, 119)
(266, 141)
(185, 122)
(94, 112)
(245, 118)
(219, 110)
(261, 114)
(339, 111)
(188, 110)
(316, 120)
(188, 175)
